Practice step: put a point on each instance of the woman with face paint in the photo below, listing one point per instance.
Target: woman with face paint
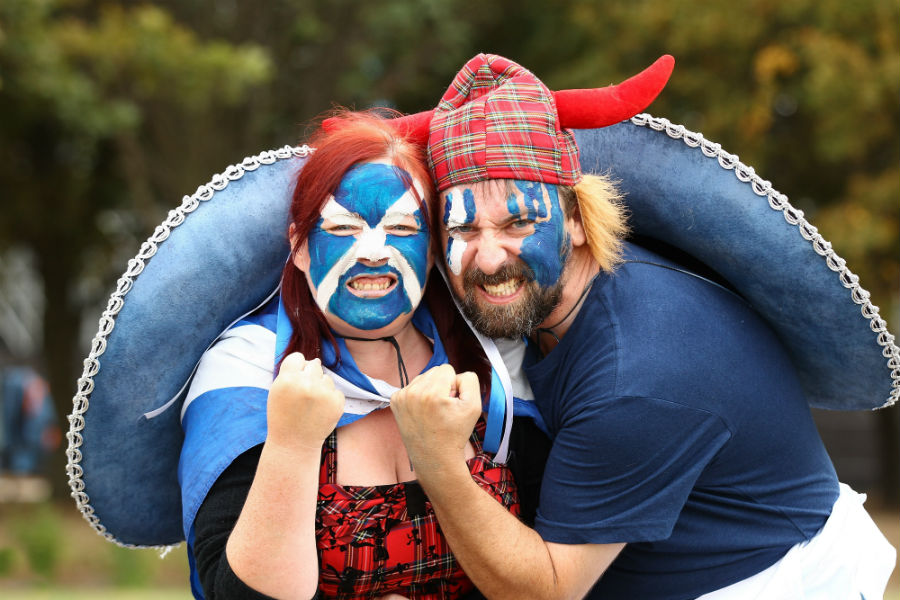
(329, 504)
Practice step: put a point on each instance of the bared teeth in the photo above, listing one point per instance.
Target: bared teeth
(506, 288)
(367, 286)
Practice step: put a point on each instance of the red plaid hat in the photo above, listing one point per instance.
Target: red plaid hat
(498, 121)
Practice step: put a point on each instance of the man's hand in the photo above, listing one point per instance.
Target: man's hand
(304, 405)
(436, 413)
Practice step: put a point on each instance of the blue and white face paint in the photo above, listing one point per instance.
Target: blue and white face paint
(507, 246)
(459, 211)
(545, 251)
(369, 251)
(532, 223)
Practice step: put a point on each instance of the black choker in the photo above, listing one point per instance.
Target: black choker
(549, 330)
(404, 378)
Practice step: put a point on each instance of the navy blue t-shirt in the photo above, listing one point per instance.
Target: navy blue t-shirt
(680, 429)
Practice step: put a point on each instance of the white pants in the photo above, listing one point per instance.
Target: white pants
(849, 559)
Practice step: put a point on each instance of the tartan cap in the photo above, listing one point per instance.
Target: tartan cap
(498, 121)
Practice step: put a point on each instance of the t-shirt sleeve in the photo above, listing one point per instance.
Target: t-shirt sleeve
(213, 524)
(620, 470)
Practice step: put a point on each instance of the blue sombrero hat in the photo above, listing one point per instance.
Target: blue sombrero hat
(220, 254)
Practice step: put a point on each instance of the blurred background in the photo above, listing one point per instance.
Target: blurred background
(110, 112)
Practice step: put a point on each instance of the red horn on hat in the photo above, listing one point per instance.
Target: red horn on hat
(600, 107)
(412, 127)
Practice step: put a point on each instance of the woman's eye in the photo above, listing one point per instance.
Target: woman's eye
(342, 229)
(403, 229)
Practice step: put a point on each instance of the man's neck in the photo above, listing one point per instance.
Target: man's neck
(580, 272)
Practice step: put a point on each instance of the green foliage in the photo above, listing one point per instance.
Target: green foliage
(84, 565)
(143, 55)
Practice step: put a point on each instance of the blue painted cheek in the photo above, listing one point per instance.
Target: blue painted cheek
(414, 248)
(541, 252)
(547, 249)
(324, 251)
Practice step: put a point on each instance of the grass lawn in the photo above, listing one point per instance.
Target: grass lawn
(48, 551)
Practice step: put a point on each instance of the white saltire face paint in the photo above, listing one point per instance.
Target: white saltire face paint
(369, 250)
(459, 210)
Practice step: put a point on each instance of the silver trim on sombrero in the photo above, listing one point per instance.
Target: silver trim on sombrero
(794, 216)
(81, 400)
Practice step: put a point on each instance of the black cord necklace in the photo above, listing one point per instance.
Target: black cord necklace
(401, 367)
(549, 330)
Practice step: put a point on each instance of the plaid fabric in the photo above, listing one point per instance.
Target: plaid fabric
(498, 121)
(381, 539)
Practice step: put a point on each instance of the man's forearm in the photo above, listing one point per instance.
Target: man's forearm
(501, 555)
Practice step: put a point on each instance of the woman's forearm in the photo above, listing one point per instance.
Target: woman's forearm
(273, 546)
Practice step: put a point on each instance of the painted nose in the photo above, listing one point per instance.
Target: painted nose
(372, 246)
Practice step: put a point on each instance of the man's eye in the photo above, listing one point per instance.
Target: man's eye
(521, 223)
(458, 230)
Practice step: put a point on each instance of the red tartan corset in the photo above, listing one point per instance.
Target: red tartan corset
(373, 540)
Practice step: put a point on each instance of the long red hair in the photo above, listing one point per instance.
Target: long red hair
(363, 137)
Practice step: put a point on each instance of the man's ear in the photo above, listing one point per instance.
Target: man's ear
(299, 250)
(575, 227)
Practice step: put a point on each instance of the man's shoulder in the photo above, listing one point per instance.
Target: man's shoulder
(672, 295)
(646, 274)
(674, 328)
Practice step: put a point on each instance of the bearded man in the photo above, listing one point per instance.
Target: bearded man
(684, 461)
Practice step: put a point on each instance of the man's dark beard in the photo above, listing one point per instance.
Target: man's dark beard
(510, 320)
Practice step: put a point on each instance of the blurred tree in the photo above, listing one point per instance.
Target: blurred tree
(337, 53)
(78, 94)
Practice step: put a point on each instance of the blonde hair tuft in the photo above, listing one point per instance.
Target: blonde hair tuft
(604, 217)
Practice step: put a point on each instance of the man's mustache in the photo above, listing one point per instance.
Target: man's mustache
(476, 276)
